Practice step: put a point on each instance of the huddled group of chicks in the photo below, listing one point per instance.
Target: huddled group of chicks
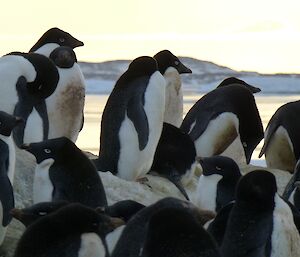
(143, 131)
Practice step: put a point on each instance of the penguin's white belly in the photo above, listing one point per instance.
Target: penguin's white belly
(218, 136)
(65, 105)
(285, 237)
(42, 185)
(12, 156)
(113, 237)
(91, 246)
(280, 152)
(2, 229)
(34, 128)
(134, 163)
(206, 194)
(174, 98)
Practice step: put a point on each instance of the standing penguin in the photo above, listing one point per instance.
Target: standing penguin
(132, 121)
(72, 231)
(52, 39)
(175, 233)
(68, 99)
(216, 186)
(171, 68)
(64, 172)
(7, 169)
(175, 157)
(222, 116)
(260, 222)
(281, 146)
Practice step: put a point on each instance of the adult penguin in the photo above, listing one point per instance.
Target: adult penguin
(281, 147)
(7, 169)
(27, 79)
(64, 172)
(74, 230)
(220, 117)
(171, 67)
(132, 121)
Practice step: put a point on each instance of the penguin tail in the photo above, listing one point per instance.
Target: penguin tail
(175, 178)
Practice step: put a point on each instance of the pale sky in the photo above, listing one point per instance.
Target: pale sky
(257, 35)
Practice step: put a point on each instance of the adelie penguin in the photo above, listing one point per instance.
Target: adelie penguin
(175, 157)
(7, 169)
(67, 102)
(132, 121)
(175, 233)
(133, 236)
(260, 222)
(27, 79)
(216, 185)
(226, 115)
(282, 146)
(64, 172)
(171, 68)
(72, 231)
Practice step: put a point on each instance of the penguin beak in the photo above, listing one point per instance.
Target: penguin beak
(77, 43)
(253, 89)
(181, 68)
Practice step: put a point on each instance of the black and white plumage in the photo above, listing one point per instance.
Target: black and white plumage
(260, 222)
(27, 79)
(72, 231)
(64, 172)
(132, 121)
(216, 185)
(7, 169)
(222, 116)
(175, 157)
(281, 147)
(171, 67)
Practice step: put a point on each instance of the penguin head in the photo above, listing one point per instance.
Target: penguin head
(257, 190)
(63, 57)
(174, 231)
(57, 36)
(166, 59)
(59, 149)
(123, 209)
(235, 81)
(8, 123)
(31, 214)
(220, 165)
(143, 65)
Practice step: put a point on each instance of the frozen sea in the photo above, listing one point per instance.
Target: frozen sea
(276, 91)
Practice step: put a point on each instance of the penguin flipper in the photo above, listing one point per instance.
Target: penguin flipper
(272, 127)
(22, 109)
(41, 108)
(137, 114)
(175, 178)
(7, 199)
(82, 121)
(201, 124)
(291, 184)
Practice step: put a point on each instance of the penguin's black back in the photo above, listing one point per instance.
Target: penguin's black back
(234, 99)
(129, 90)
(176, 232)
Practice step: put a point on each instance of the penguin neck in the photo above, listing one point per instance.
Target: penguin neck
(47, 49)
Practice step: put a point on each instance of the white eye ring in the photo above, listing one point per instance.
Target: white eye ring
(176, 63)
(42, 213)
(218, 168)
(61, 40)
(47, 150)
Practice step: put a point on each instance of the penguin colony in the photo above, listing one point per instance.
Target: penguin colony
(142, 132)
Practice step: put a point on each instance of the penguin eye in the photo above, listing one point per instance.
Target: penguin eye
(218, 168)
(47, 150)
(61, 40)
(42, 213)
(95, 224)
(40, 87)
(176, 63)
